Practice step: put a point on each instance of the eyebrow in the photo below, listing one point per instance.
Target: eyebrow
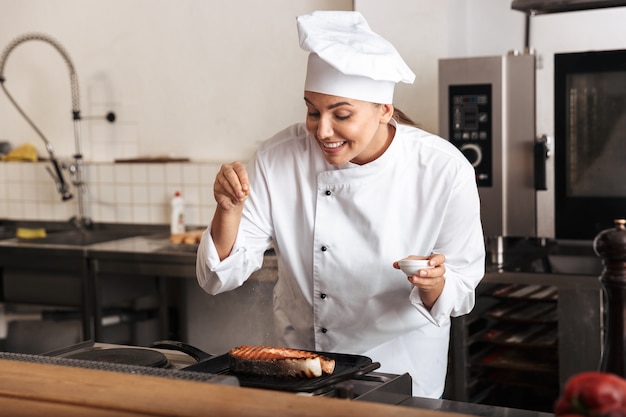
(332, 106)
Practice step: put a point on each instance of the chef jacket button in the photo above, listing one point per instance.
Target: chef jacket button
(328, 192)
(324, 248)
(324, 330)
(322, 296)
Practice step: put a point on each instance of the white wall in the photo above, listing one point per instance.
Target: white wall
(419, 31)
(194, 78)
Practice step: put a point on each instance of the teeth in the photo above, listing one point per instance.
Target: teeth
(333, 145)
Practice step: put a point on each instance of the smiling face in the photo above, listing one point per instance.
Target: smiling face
(348, 130)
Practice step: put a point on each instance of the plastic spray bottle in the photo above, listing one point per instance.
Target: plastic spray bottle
(177, 224)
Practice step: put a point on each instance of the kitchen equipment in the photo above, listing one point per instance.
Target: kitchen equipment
(354, 377)
(105, 354)
(63, 357)
(346, 367)
(487, 109)
(75, 169)
(590, 148)
(57, 175)
(131, 356)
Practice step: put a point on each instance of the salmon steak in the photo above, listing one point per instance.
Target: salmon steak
(279, 362)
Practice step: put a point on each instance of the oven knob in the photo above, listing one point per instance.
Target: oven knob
(473, 153)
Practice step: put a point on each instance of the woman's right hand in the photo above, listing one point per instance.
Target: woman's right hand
(231, 186)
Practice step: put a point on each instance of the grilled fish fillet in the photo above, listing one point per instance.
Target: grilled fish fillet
(279, 361)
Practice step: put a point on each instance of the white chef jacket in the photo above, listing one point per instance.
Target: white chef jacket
(337, 231)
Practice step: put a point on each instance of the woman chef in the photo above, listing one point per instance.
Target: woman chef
(342, 198)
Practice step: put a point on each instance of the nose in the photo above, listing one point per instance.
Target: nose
(324, 128)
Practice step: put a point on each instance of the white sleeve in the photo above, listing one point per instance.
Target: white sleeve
(215, 276)
(253, 239)
(461, 240)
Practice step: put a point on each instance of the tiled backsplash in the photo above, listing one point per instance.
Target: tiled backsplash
(116, 192)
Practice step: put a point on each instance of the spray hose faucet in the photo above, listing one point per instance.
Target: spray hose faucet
(57, 174)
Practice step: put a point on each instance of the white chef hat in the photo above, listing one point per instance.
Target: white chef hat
(347, 59)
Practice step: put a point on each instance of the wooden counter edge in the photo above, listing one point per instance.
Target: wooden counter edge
(28, 388)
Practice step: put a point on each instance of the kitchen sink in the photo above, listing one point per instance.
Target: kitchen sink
(81, 237)
(67, 234)
(6, 231)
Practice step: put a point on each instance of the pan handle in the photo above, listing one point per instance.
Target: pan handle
(364, 369)
(192, 351)
(367, 369)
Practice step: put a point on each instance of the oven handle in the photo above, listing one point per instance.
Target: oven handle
(192, 351)
(541, 155)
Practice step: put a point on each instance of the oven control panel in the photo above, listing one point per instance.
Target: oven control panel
(470, 127)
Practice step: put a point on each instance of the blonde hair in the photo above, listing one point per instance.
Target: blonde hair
(400, 117)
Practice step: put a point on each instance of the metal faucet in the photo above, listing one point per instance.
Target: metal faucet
(76, 169)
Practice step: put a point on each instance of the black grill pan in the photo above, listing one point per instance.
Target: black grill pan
(346, 367)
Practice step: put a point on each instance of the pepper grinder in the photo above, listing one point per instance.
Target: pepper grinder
(610, 245)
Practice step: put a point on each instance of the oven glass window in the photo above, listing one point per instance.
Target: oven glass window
(596, 134)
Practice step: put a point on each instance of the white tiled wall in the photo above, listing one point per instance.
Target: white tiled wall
(116, 193)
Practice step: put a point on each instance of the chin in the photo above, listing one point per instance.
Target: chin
(336, 160)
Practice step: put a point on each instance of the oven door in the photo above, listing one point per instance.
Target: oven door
(590, 145)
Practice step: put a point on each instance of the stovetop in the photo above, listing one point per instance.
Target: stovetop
(371, 386)
(63, 357)
(123, 354)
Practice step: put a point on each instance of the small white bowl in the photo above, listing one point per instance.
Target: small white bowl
(411, 266)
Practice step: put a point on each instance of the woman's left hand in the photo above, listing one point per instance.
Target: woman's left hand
(430, 281)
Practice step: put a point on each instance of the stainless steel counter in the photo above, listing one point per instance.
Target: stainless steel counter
(33, 270)
(471, 409)
(144, 255)
(132, 249)
(84, 263)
